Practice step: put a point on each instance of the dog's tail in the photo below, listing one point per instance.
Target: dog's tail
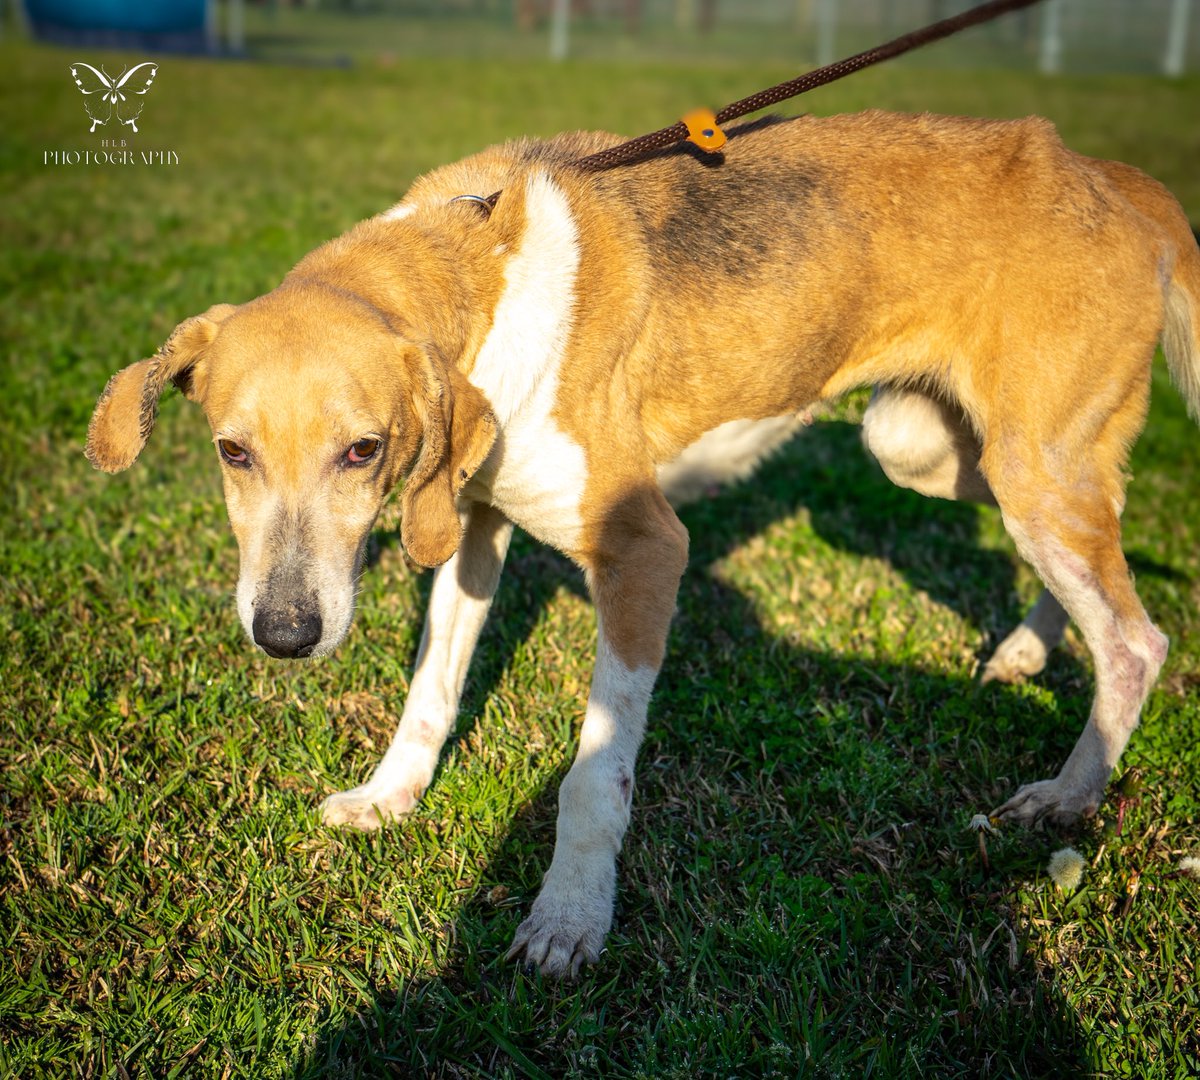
(1181, 326)
(1181, 331)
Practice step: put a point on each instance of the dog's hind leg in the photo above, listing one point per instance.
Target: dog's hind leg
(462, 593)
(1026, 648)
(1061, 504)
(633, 561)
(925, 443)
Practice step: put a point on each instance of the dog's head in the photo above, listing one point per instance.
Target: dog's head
(318, 408)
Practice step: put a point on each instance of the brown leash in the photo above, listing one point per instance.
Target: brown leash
(704, 128)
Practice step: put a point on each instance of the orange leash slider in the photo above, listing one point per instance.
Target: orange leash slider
(703, 130)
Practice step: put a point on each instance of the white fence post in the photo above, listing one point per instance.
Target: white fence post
(826, 31)
(1177, 33)
(1050, 54)
(560, 19)
(237, 26)
(212, 32)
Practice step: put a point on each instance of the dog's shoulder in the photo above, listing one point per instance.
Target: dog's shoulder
(504, 167)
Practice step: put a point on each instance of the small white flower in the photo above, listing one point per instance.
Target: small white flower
(1066, 869)
(1190, 865)
(981, 823)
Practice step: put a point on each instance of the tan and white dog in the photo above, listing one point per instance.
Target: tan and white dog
(552, 357)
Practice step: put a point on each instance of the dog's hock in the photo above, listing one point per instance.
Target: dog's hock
(126, 410)
(458, 430)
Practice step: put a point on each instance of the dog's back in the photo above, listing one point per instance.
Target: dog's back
(825, 253)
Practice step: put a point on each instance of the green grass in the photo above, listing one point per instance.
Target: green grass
(799, 894)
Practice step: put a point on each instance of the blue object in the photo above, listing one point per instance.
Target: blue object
(161, 24)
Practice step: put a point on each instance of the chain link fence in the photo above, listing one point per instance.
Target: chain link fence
(1070, 36)
(1083, 36)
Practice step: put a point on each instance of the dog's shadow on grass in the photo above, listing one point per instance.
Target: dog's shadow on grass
(798, 869)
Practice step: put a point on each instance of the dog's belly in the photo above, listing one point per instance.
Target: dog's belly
(724, 455)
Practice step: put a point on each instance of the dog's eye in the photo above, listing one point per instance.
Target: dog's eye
(361, 451)
(231, 452)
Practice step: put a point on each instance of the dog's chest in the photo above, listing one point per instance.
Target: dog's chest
(535, 475)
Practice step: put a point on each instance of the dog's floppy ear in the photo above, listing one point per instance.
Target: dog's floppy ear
(126, 409)
(458, 430)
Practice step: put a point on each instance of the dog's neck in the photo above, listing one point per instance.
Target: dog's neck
(432, 287)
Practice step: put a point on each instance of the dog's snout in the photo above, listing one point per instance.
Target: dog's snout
(289, 634)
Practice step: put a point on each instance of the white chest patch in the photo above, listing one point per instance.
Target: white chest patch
(533, 318)
(536, 473)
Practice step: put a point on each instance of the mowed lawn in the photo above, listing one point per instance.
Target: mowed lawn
(799, 892)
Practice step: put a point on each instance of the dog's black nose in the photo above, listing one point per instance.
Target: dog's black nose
(287, 634)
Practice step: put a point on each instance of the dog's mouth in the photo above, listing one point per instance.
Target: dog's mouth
(300, 654)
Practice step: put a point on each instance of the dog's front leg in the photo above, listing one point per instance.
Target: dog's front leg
(634, 575)
(458, 605)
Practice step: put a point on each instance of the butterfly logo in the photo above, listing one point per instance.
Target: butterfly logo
(121, 95)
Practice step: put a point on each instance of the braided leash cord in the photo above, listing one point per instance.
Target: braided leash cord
(668, 136)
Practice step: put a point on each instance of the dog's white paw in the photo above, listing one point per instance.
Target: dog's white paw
(1051, 802)
(1021, 654)
(365, 807)
(565, 929)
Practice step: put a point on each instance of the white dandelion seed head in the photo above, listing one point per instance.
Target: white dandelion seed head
(1190, 865)
(1066, 869)
(981, 823)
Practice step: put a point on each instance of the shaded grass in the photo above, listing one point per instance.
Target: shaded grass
(799, 894)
